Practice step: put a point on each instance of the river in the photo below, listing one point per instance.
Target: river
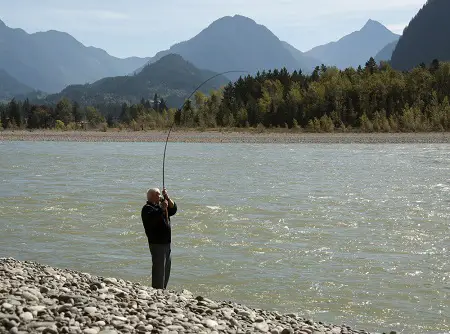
(340, 233)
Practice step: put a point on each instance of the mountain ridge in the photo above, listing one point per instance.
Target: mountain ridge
(171, 77)
(425, 37)
(33, 60)
(11, 87)
(236, 43)
(356, 48)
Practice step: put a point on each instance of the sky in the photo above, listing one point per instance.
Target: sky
(143, 27)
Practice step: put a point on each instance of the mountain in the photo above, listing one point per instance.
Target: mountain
(309, 63)
(171, 77)
(425, 38)
(52, 60)
(10, 87)
(385, 53)
(237, 43)
(356, 48)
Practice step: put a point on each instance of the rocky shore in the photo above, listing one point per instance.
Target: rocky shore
(226, 136)
(36, 298)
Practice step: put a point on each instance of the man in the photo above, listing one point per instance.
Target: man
(156, 215)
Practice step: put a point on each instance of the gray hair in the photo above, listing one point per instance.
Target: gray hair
(151, 191)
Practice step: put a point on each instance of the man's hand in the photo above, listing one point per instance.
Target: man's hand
(165, 195)
(164, 205)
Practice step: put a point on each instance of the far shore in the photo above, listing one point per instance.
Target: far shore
(225, 136)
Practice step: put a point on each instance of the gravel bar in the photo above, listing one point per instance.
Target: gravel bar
(36, 298)
(192, 136)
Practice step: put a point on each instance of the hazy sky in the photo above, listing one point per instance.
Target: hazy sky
(144, 27)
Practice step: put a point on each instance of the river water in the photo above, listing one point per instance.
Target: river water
(345, 234)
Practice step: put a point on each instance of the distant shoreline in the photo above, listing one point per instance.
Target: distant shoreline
(225, 136)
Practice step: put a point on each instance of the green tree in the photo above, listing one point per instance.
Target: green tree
(64, 111)
(15, 113)
(93, 117)
(77, 112)
(155, 102)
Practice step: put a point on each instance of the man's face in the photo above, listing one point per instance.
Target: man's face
(155, 196)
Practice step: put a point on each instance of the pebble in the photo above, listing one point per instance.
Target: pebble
(90, 309)
(262, 326)
(7, 306)
(211, 323)
(26, 316)
(50, 300)
(90, 331)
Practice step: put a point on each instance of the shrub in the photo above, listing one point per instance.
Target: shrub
(59, 125)
(366, 124)
(260, 128)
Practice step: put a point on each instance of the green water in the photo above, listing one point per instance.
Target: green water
(354, 234)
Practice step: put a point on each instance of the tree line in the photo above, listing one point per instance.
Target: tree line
(373, 98)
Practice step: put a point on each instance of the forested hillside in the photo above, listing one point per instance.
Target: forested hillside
(425, 38)
(370, 98)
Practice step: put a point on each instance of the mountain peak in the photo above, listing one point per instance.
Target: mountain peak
(2, 24)
(235, 19)
(355, 48)
(373, 25)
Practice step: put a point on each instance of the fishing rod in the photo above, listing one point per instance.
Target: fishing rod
(182, 105)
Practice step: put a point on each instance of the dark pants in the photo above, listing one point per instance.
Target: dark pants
(161, 263)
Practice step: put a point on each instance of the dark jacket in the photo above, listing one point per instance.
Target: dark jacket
(157, 228)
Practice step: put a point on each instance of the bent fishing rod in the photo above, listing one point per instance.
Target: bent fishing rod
(182, 105)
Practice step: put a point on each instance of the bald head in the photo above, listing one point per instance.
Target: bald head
(153, 195)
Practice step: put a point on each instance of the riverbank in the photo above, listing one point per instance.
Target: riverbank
(37, 298)
(224, 136)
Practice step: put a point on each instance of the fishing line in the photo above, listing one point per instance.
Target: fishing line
(199, 86)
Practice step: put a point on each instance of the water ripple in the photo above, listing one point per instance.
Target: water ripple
(355, 234)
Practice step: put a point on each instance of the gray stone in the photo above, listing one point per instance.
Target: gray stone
(64, 308)
(90, 331)
(119, 318)
(125, 327)
(90, 309)
(14, 302)
(153, 315)
(110, 280)
(287, 331)
(42, 324)
(37, 308)
(44, 289)
(108, 331)
(234, 322)
(175, 328)
(7, 306)
(211, 323)
(14, 330)
(26, 316)
(29, 296)
(261, 326)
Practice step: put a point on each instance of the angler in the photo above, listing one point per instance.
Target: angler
(156, 215)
